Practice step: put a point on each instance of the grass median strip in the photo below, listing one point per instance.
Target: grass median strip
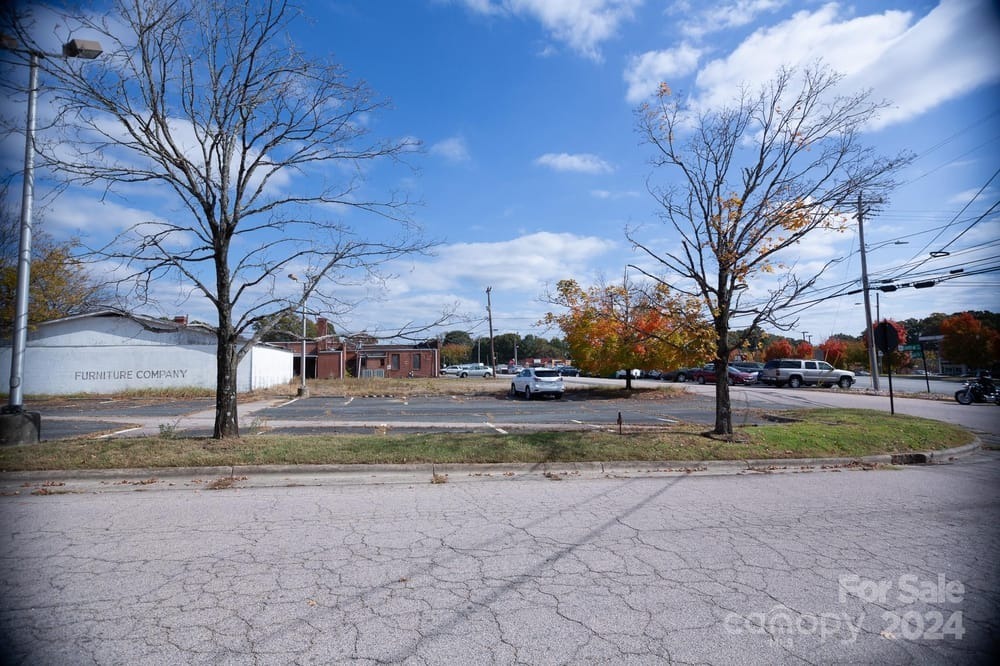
(801, 434)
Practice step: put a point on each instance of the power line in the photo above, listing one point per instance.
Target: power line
(970, 202)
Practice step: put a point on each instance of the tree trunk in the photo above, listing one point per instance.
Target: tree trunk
(723, 405)
(227, 361)
(226, 416)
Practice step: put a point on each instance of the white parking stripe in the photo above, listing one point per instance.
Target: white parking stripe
(119, 432)
(499, 430)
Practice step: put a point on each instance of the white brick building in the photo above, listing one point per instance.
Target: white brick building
(109, 352)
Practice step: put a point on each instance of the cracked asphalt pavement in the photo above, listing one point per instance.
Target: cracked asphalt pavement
(888, 566)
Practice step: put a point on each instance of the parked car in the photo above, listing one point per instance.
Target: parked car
(451, 370)
(537, 381)
(798, 372)
(653, 374)
(568, 371)
(752, 367)
(636, 374)
(678, 375)
(708, 375)
(475, 370)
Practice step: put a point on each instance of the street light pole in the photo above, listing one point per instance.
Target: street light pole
(303, 389)
(16, 425)
(15, 402)
(489, 314)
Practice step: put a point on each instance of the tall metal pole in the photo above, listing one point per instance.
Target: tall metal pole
(303, 391)
(16, 425)
(869, 332)
(15, 402)
(489, 313)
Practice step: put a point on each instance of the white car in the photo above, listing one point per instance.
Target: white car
(538, 381)
(468, 370)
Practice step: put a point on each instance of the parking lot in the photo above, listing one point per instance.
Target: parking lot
(492, 411)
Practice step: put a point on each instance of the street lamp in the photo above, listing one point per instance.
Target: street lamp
(303, 389)
(16, 425)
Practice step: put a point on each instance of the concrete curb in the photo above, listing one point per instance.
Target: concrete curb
(261, 476)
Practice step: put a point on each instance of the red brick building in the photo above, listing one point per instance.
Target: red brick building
(333, 357)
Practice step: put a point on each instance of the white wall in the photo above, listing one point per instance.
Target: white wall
(69, 370)
(264, 367)
(114, 354)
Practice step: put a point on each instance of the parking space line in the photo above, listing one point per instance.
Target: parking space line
(499, 430)
(119, 432)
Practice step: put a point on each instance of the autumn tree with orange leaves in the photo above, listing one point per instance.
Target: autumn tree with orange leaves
(834, 351)
(613, 327)
(747, 182)
(969, 342)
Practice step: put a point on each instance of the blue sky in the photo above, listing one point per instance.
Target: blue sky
(531, 167)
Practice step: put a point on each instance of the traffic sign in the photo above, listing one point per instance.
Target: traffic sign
(886, 337)
(917, 347)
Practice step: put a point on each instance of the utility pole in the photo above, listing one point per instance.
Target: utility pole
(489, 314)
(869, 332)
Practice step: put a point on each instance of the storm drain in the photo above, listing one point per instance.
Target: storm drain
(909, 459)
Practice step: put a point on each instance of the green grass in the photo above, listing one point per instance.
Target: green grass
(808, 433)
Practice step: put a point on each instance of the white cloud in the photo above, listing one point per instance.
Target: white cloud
(518, 270)
(899, 60)
(581, 24)
(726, 16)
(645, 72)
(968, 196)
(912, 72)
(539, 257)
(578, 162)
(847, 46)
(608, 194)
(453, 149)
(77, 214)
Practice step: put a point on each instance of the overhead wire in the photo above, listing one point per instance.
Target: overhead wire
(959, 213)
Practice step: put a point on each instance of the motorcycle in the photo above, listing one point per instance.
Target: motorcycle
(975, 392)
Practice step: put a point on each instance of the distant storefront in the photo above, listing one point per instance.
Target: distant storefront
(110, 352)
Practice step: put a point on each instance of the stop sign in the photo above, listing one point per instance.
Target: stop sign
(886, 337)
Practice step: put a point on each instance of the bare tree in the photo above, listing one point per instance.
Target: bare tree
(754, 179)
(260, 149)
